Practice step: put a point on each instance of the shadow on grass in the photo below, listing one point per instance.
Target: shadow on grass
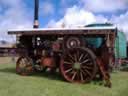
(48, 75)
(8, 70)
(52, 76)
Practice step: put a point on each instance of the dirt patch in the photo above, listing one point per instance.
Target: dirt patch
(7, 60)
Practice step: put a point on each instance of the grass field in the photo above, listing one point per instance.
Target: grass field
(44, 84)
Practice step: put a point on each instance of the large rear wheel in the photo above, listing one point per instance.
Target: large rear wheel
(78, 65)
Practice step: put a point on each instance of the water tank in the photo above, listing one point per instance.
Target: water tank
(96, 41)
(121, 45)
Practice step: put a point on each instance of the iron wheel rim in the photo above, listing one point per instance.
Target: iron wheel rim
(86, 70)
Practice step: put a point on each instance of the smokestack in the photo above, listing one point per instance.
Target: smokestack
(36, 9)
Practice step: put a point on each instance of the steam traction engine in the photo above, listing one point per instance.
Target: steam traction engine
(68, 50)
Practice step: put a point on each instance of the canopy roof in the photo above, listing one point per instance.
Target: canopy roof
(63, 31)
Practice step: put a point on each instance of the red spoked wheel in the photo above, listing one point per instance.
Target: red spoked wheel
(24, 66)
(78, 65)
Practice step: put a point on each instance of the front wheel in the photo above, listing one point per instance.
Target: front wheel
(24, 66)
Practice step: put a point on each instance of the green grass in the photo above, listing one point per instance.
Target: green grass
(45, 84)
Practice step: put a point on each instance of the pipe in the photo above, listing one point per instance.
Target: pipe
(36, 10)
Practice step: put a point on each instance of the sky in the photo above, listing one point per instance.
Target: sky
(18, 14)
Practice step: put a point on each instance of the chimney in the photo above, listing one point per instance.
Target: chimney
(36, 9)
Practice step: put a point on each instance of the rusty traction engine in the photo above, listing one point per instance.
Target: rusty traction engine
(68, 50)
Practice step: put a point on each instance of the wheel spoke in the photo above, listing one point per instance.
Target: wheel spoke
(75, 57)
(78, 55)
(85, 56)
(22, 61)
(29, 62)
(81, 76)
(86, 67)
(89, 63)
(70, 56)
(28, 65)
(25, 61)
(69, 63)
(73, 76)
(84, 73)
(81, 57)
(88, 73)
(29, 68)
(85, 61)
(68, 70)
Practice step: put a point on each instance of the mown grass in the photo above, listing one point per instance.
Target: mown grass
(45, 84)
